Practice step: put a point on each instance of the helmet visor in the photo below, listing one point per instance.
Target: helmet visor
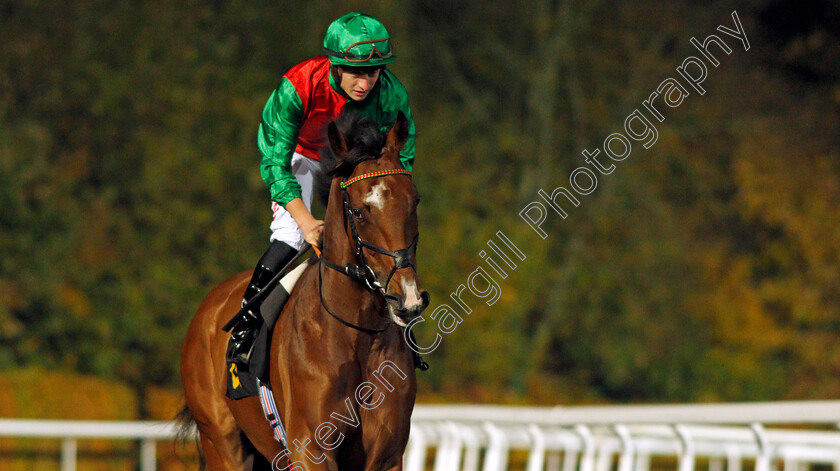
(364, 51)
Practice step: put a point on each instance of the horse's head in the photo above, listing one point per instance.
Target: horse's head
(377, 200)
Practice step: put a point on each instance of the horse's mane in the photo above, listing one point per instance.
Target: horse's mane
(365, 141)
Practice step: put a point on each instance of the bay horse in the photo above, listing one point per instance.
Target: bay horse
(342, 374)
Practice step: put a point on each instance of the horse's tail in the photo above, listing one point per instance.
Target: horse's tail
(186, 430)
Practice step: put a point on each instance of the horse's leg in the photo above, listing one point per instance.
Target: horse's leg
(386, 427)
(203, 376)
(306, 408)
(301, 434)
(249, 415)
(221, 439)
(385, 452)
(220, 436)
(222, 451)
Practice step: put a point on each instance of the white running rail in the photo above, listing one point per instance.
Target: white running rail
(775, 436)
(771, 436)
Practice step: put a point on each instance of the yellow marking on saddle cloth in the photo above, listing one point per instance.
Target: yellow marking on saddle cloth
(234, 379)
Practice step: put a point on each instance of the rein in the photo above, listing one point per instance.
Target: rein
(363, 273)
(338, 318)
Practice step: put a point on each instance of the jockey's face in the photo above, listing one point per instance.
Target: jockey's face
(357, 82)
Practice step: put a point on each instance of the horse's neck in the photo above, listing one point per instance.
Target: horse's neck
(350, 301)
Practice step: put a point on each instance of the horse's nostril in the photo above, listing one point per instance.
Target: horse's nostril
(425, 298)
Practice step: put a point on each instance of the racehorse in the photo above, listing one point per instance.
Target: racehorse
(342, 374)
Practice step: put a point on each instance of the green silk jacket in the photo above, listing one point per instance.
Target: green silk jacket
(298, 111)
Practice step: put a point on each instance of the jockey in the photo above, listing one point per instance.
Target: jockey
(291, 133)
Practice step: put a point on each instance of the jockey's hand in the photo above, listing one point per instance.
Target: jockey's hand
(312, 231)
(309, 226)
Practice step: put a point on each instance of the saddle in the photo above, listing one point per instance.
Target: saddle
(242, 383)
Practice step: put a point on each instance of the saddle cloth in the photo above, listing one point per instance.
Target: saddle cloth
(242, 383)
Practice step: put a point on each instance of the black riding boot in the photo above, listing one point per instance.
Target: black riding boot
(245, 332)
(419, 363)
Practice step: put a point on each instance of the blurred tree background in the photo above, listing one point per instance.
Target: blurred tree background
(706, 268)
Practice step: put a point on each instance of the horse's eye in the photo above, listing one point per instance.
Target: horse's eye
(357, 213)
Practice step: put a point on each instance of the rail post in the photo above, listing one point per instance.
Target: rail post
(762, 462)
(536, 458)
(415, 458)
(587, 453)
(497, 451)
(69, 449)
(148, 455)
(687, 452)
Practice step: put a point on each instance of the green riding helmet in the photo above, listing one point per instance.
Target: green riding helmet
(358, 40)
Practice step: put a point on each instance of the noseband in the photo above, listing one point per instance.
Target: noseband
(363, 273)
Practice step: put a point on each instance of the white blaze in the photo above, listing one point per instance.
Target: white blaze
(412, 294)
(376, 195)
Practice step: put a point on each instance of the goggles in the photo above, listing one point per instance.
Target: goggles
(355, 52)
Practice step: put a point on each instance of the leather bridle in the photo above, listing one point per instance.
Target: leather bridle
(363, 273)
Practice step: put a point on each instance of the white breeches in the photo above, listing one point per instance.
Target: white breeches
(283, 226)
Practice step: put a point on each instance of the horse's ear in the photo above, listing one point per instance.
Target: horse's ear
(398, 133)
(337, 142)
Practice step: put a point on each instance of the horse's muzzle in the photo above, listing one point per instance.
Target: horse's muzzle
(401, 312)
